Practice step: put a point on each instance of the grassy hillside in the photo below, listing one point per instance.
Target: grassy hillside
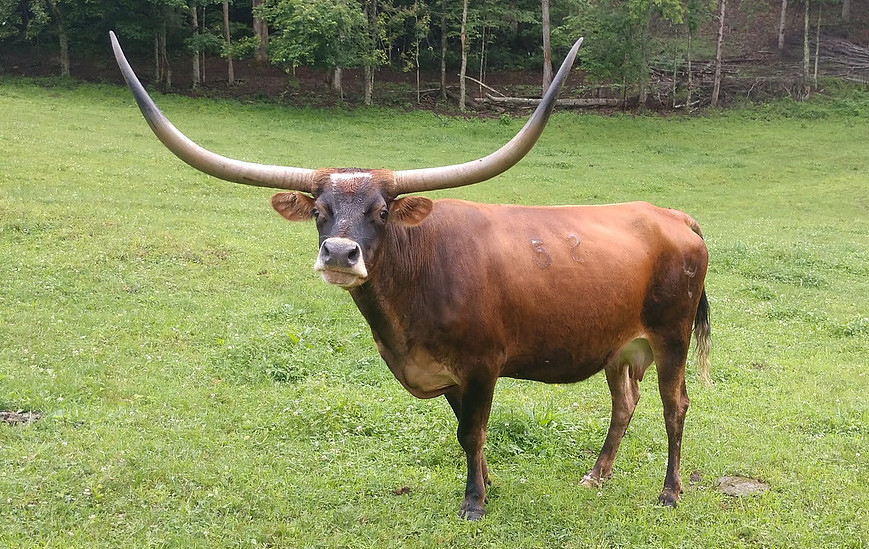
(199, 386)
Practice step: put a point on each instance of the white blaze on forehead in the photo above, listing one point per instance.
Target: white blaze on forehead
(341, 177)
(350, 180)
(344, 176)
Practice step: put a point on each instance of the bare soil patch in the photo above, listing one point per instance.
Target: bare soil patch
(19, 417)
(739, 486)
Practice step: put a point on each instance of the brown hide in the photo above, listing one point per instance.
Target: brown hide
(554, 294)
(544, 293)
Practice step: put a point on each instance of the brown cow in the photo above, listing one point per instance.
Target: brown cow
(458, 294)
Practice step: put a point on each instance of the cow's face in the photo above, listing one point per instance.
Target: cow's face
(351, 209)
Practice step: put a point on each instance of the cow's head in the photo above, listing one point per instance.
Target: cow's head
(351, 207)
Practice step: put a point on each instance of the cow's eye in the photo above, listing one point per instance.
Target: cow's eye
(384, 215)
(315, 213)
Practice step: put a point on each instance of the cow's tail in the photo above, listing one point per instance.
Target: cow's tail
(702, 338)
(702, 335)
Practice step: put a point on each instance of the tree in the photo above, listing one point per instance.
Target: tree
(421, 24)
(194, 22)
(781, 26)
(547, 48)
(227, 36)
(60, 17)
(165, 15)
(203, 39)
(371, 27)
(716, 85)
(464, 41)
(697, 12)
(322, 33)
(10, 18)
(612, 48)
(261, 31)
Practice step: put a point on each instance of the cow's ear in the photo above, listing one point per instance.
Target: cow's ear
(293, 206)
(410, 210)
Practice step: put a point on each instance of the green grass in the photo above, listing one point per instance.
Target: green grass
(201, 387)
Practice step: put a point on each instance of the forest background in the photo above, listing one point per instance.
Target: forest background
(449, 54)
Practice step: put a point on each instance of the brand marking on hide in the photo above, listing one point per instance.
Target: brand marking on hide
(574, 247)
(541, 256)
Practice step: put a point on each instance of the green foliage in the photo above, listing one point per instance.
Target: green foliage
(211, 42)
(200, 386)
(618, 37)
(10, 19)
(613, 46)
(322, 33)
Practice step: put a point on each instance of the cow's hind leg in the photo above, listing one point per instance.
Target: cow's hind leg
(472, 404)
(625, 392)
(670, 360)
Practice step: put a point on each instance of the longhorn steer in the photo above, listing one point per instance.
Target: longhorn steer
(458, 294)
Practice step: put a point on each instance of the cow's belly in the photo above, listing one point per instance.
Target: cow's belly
(569, 366)
(553, 366)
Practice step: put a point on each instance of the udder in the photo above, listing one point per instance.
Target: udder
(637, 355)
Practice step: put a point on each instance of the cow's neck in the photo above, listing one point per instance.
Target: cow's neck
(393, 288)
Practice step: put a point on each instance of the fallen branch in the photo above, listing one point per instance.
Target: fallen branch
(528, 102)
(491, 89)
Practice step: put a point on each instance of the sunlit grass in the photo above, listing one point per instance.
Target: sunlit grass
(200, 386)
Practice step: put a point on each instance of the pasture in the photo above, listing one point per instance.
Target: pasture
(198, 385)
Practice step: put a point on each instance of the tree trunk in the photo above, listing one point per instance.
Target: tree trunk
(371, 17)
(158, 74)
(230, 70)
(716, 86)
(444, 50)
(464, 56)
(807, 86)
(202, 62)
(690, 80)
(416, 40)
(337, 85)
(675, 66)
(62, 37)
(194, 16)
(547, 49)
(162, 71)
(846, 11)
(781, 26)
(817, 48)
(482, 74)
(644, 56)
(261, 31)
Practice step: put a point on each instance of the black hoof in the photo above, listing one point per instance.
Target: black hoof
(668, 499)
(472, 514)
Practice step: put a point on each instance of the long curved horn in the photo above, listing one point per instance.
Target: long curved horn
(457, 175)
(261, 175)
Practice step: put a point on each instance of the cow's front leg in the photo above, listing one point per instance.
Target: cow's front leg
(455, 401)
(472, 404)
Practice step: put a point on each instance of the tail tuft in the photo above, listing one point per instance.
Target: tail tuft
(703, 339)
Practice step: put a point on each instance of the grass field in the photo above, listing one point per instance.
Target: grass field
(199, 386)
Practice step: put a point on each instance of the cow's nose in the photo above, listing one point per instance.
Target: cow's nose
(340, 253)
